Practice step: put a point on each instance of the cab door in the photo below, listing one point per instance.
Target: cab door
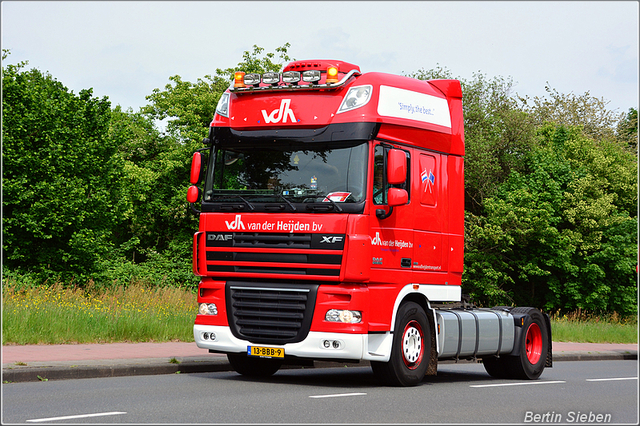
(428, 208)
(392, 234)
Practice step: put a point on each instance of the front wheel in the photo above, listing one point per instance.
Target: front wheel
(411, 348)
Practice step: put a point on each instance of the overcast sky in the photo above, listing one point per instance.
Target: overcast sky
(125, 49)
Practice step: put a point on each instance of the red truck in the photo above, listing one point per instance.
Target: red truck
(331, 227)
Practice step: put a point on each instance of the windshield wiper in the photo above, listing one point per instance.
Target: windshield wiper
(288, 202)
(246, 202)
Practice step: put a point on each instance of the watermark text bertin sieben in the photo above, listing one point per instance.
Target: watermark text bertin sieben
(569, 417)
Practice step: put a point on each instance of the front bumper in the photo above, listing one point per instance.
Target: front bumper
(371, 347)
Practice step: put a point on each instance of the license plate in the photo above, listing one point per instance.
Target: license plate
(265, 352)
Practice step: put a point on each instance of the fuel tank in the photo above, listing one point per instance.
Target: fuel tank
(470, 333)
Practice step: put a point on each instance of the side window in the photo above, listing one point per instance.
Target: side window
(380, 185)
(379, 181)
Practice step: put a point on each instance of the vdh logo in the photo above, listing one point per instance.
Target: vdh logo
(280, 113)
(236, 224)
(330, 239)
(376, 241)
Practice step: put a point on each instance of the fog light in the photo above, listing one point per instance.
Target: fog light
(205, 335)
(336, 344)
(326, 344)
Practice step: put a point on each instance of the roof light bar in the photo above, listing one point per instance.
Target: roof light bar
(291, 77)
(252, 79)
(271, 78)
(311, 76)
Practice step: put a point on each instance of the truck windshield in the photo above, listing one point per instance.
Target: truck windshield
(287, 173)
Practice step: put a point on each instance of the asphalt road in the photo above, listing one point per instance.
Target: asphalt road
(570, 392)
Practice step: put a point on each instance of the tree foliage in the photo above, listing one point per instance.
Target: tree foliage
(61, 179)
(544, 234)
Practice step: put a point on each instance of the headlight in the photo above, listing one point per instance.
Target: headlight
(223, 105)
(343, 315)
(208, 309)
(356, 97)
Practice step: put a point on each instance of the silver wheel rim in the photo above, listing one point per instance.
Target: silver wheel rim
(411, 345)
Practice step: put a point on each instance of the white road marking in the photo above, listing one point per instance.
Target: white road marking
(518, 384)
(79, 416)
(337, 395)
(612, 378)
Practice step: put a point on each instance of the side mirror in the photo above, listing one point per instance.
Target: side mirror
(396, 167)
(193, 193)
(397, 197)
(196, 168)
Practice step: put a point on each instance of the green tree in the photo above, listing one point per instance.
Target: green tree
(558, 236)
(627, 130)
(61, 177)
(156, 227)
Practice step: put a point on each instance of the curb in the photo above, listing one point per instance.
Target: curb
(153, 366)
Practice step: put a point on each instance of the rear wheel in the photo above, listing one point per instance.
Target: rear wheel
(532, 348)
(496, 367)
(411, 348)
(256, 367)
(533, 345)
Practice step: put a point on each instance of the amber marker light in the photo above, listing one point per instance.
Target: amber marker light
(332, 74)
(238, 79)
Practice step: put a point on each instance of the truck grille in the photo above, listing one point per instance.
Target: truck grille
(310, 256)
(270, 313)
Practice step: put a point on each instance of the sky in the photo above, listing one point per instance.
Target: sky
(126, 49)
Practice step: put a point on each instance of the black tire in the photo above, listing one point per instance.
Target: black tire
(497, 367)
(533, 345)
(410, 351)
(255, 367)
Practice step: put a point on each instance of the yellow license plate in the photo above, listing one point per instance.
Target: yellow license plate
(265, 352)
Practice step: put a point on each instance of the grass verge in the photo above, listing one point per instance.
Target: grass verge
(59, 314)
(589, 328)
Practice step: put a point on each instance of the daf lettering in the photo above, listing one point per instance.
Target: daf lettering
(219, 237)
